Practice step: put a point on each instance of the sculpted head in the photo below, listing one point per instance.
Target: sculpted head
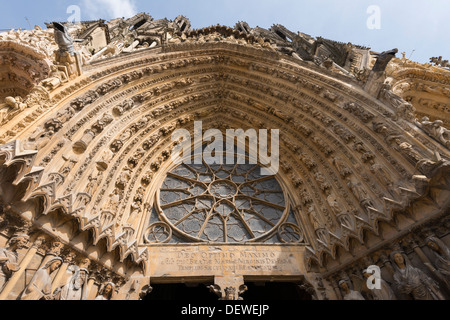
(83, 274)
(84, 263)
(53, 264)
(230, 293)
(344, 285)
(108, 290)
(433, 245)
(405, 146)
(18, 242)
(10, 101)
(399, 260)
(366, 274)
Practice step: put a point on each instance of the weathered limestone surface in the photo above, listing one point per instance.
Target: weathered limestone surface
(222, 261)
(87, 113)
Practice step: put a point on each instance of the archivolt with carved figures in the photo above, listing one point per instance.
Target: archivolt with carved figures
(88, 166)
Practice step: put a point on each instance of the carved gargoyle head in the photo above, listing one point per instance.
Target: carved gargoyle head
(63, 39)
(383, 60)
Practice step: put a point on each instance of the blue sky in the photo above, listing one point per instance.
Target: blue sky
(418, 27)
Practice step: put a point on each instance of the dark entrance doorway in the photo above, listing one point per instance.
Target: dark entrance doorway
(180, 292)
(257, 291)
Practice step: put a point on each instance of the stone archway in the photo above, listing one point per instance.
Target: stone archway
(96, 155)
(26, 59)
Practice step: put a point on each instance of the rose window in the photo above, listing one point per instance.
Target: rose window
(222, 203)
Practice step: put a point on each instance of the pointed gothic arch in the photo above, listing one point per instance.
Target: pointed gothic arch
(100, 147)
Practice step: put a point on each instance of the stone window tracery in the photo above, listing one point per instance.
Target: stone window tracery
(225, 204)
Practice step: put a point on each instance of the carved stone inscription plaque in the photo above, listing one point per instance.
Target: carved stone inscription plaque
(191, 261)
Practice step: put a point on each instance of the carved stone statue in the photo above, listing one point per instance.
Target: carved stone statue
(230, 292)
(436, 130)
(124, 106)
(410, 152)
(113, 201)
(105, 160)
(68, 61)
(360, 194)
(380, 172)
(65, 115)
(385, 293)
(135, 212)
(94, 182)
(11, 105)
(332, 202)
(438, 61)
(9, 257)
(216, 290)
(442, 262)
(58, 76)
(76, 288)
(315, 220)
(40, 138)
(401, 107)
(41, 284)
(342, 168)
(349, 294)
(15, 103)
(323, 183)
(107, 292)
(413, 281)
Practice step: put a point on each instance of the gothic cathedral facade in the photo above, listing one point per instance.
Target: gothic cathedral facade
(93, 205)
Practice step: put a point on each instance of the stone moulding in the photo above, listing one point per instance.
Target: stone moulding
(103, 144)
(14, 154)
(36, 63)
(69, 204)
(391, 210)
(24, 48)
(73, 206)
(319, 97)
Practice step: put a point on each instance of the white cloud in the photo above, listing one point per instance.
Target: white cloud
(108, 9)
